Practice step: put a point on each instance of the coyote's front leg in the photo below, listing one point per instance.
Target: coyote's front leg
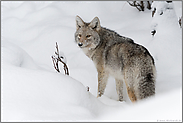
(102, 81)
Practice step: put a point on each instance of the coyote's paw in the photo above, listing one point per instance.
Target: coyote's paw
(99, 94)
(121, 100)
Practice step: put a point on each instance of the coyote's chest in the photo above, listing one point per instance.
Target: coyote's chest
(116, 73)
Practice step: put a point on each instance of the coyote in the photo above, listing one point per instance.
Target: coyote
(119, 57)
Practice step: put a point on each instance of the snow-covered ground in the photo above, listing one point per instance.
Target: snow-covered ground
(31, 89)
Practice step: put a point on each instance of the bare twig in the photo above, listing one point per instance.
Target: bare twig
(153, 32)
(55, 63)
(153, 12)
(149, 5)
(57, 59)
(135, 5)
(65, 67)
(180, 22)
(140, 5)
(87, 88)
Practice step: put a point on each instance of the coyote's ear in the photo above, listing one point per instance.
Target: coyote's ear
(79, 22)
(95, 24)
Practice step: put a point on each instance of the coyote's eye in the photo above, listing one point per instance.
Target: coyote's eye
(88, 36)
(79, 36)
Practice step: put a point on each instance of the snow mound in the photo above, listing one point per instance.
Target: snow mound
(16, 56)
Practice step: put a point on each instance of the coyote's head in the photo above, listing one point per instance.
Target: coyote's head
(86, 35)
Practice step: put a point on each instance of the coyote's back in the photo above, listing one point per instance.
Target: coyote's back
(118, 56)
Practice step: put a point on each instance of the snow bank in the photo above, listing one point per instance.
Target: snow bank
(30, 93)
(16, 56)
(161, 108)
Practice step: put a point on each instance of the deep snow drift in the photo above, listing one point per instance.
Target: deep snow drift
(31, 89)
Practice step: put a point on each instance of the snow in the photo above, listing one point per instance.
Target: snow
(32, 90)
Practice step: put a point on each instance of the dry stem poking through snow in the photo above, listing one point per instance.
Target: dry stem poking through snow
(58, 58)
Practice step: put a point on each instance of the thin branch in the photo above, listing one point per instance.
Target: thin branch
(65, 66)
(134, 5)
(140, 5)
(55, 63)
(153, 12)
(57, 59)
(149, 5)
(180, 21)
(87, 88)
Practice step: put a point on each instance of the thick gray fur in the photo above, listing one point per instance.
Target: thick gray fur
(119, 57)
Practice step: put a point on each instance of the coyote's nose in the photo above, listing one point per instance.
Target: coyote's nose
(80, 44)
